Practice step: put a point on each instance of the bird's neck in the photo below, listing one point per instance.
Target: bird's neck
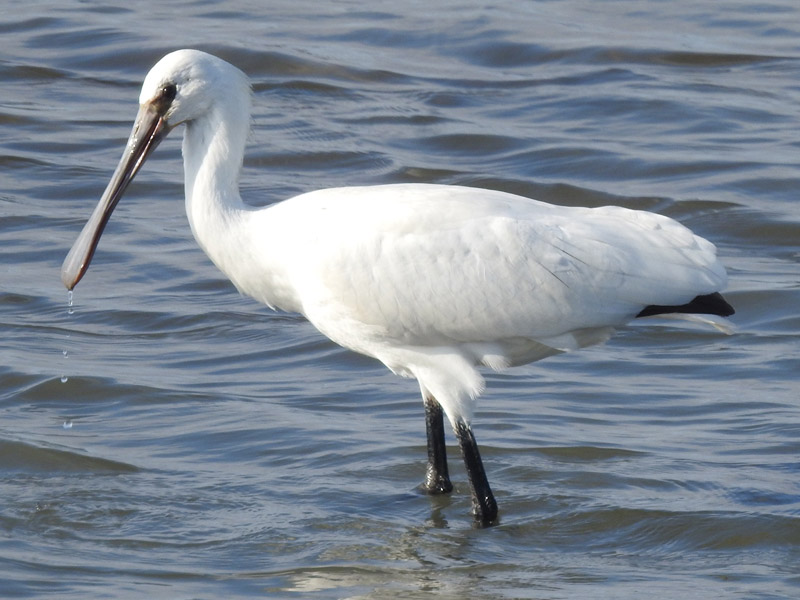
(240, 240)
(213, 149)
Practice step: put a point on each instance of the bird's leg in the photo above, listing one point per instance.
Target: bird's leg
(437, 478)
(484, 506)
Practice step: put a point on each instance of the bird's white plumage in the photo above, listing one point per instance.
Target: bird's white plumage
(432, 280)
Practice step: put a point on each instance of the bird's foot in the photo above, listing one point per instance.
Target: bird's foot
(437, 483)
(485, 511)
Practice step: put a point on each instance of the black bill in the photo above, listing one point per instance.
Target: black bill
(148, 131)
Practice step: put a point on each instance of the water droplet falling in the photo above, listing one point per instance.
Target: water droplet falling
(65, 352)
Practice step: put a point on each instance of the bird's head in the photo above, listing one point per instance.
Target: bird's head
(186, 84)
(182, 87)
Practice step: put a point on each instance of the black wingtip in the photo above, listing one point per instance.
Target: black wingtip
(707, 304)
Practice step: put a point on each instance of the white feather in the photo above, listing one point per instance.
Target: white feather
(431, 280)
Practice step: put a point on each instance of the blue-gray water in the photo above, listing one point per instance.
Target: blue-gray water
(205, 447)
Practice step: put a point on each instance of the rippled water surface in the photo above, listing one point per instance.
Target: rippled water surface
(205, 447)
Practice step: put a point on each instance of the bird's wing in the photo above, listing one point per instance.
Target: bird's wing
(434, 265)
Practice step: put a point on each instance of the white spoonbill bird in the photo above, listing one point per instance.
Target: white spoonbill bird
(434, 281)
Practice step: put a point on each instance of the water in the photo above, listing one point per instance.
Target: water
(203, 446)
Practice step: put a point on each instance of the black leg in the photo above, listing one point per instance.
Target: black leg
(484, 506)
(437, 479)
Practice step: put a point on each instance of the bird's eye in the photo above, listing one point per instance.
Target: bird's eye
(162, 101)
(168, 92)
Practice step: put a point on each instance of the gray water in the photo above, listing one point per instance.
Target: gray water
(205, 447)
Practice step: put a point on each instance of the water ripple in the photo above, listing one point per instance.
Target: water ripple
(203, 446)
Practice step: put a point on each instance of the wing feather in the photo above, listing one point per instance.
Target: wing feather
(426, 265)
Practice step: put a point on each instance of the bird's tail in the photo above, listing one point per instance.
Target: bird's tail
(706, 304)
